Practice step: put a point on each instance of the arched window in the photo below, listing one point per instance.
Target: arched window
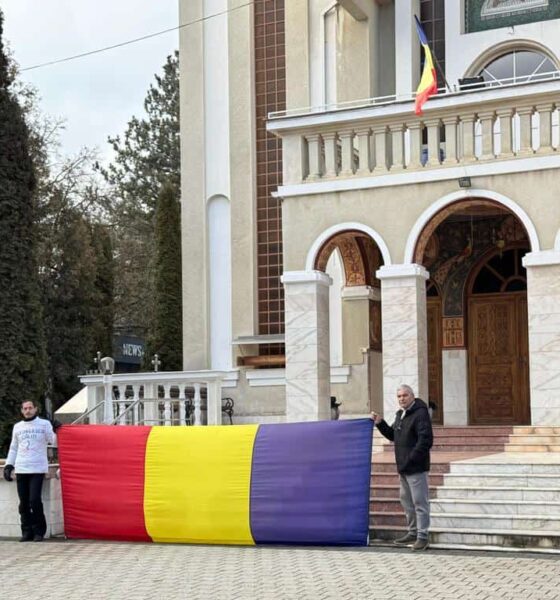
(518, 66)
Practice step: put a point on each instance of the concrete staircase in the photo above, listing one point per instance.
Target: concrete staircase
(534, 439)
(501, 501)
(451, 444)
(485, 492)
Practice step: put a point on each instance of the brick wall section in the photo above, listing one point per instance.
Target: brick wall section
(270, 89)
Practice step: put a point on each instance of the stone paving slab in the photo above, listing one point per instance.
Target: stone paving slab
(128, 571)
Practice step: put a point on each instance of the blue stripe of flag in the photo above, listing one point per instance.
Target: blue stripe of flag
(420, 31)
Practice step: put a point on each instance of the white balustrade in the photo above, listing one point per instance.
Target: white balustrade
(159, 398)
(390, 138)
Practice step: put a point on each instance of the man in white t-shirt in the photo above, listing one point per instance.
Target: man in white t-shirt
(28, 456)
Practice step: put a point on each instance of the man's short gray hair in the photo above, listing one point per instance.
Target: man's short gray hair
(406, 388)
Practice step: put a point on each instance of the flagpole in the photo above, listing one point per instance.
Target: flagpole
(441, 70)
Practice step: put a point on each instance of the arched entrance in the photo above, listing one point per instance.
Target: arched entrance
(357, 297)
(497, 339)
(476, 313)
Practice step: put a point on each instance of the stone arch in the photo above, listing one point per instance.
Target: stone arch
(502, 48)
(325, 236)
(437, 212)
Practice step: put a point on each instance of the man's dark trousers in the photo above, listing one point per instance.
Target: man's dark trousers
(29, 486)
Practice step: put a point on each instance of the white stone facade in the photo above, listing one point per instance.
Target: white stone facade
(355, 165)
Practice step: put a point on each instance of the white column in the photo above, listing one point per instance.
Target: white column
(404, 331)
(307, 345)
(543, 305)
(407, 47)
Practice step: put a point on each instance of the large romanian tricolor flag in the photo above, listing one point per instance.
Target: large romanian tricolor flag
(428, 82)
(300, 483)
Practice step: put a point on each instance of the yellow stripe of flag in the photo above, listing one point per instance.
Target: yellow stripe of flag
(198, 484)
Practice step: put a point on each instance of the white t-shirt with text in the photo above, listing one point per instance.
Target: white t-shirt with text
(28, 450)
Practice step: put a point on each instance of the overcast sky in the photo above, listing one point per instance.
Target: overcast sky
(96, 95)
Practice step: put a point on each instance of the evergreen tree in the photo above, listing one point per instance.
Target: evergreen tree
(165, 337)
(104, 284)
(71, 304)
(22, 342)
(145, 157)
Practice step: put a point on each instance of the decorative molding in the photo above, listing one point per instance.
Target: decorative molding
(402, 271)
(425, 175)
(276, 377)
(360, 292)
(543, 258)
(308, 276)
(339, 228)
(474, 193)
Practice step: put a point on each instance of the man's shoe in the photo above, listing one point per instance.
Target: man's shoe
(421, 545)
(26, 538)
(37, 538)
(405, 540)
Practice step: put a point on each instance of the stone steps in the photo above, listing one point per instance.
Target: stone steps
(488, 497)
(507, 501)
(502, 481)
(452, 506)
(533, 448)
(532, 494)
(496, 539)
(489, 522)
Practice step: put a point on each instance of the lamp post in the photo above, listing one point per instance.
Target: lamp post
(107, 366)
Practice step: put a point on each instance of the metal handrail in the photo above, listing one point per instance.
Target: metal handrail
(506, 82)
(87, 413)
(119, 417)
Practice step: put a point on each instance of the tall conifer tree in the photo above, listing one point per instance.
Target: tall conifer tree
(165, 337)
(22, 342)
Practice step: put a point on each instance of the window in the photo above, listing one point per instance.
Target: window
(516, 66)
(432, 17)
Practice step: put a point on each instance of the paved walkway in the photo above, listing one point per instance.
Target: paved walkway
(105, 571)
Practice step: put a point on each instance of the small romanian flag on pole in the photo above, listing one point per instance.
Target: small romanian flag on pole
(428, 82)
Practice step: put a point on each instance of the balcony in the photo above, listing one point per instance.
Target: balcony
(500, 128)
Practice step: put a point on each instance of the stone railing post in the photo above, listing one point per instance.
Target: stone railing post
(487, 129)
(525, 131)
(397, 146)
(545, 116)
(364, 152)
(380, 137)
(214, 402)
(467, 123)
(331, 154)
(506, 132)
(315, 156)
(432, 126)
(347, 153)
(415, 130)
(450, 124)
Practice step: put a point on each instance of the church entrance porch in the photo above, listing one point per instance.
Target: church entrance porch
(477, 327)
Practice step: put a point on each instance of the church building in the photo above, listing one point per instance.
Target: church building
(337, 244)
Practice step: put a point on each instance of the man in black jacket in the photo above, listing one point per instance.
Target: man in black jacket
(412, 434)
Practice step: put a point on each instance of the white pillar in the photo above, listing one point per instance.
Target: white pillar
(404, 331)
(543, 305)
(407, 47)
(307, 345)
